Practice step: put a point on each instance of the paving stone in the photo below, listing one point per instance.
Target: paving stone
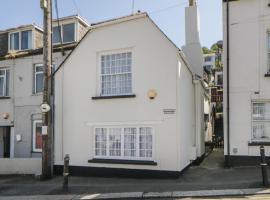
(157, 194)
(125, 195)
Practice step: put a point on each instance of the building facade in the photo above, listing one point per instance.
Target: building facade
(118, 112)
(21, 82)
(246, 80)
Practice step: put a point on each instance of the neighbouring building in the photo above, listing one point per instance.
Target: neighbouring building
(129, 101)
(208, 77)
(209, 62)
(246, 80)
(21, 82)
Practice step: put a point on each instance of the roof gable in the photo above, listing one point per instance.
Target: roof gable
(124, 19)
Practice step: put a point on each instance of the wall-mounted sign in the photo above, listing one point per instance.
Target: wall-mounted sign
(44, 130)
(169, 111)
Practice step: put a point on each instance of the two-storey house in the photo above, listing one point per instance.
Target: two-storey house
(129, 101)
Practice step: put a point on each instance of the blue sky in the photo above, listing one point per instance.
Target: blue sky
(168, 14)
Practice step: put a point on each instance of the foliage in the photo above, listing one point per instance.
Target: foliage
(206, 50)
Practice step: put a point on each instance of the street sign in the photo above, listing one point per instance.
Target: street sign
(44, 130)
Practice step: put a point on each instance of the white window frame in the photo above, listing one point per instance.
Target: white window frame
(268, 52)
(35, 77)
(20, 38)
(34, 136)
(62, 36)
(253, 121)
(99, 74)
(122, 157)
(5, 82)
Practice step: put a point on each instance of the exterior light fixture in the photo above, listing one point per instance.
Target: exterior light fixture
(152, 94)
(5, 115)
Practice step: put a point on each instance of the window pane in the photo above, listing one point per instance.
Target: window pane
(2, 85)
(100, 141)
(39, 68)
(56, 34)
(7, 83)
(26, 40)
(115, 142)
(261, 131)
(258, 110)
(38, 141)
(116, 77)
(39, 82)
(130, 142)
(146, 142)
(14, 41)
(69, 32)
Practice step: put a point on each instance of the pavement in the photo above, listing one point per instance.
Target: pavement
(208, 179)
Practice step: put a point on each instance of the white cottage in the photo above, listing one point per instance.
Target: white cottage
(128, 101)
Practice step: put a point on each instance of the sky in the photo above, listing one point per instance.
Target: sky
(169, 15)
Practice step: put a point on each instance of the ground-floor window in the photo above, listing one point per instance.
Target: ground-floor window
(132, 143)
(37, 136)
(260, 120)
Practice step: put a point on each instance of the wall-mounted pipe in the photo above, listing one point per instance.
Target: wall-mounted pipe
(228, 159)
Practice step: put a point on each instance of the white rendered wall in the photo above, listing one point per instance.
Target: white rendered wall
(153, 68)
(248, 64)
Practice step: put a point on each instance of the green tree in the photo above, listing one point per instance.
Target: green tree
(206, 50)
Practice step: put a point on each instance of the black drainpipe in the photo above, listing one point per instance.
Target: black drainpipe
(227, 160)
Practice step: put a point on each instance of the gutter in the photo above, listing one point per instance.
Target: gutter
(227, 158)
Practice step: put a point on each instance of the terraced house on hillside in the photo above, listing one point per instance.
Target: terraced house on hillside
(21, 82)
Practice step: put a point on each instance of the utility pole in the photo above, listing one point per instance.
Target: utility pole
(46, 5)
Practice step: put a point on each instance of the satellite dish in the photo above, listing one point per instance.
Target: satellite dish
(45, 107)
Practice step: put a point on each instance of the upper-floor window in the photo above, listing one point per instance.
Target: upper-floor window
(65, 31)
(20, 40)
(4, 82)
(208, 59)
(38, 78)
(260, 120)
(116, 75)
(268, 53)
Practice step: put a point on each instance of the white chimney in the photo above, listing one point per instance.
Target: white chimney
(193, 48)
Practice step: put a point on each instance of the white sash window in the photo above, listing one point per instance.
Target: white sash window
(261, 121)
(116, 75)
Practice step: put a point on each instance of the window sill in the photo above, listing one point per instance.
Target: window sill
(114, 161)
(267, 75)
(35, 151)
(114, 97)
(5, 97)
(259, 143)
(37, 94)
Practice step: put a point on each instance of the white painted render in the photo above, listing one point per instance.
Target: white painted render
(192, 48)
(249, 24)
(156, 64)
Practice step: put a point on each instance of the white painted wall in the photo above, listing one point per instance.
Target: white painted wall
(192, 48)
(153, 68)
(249, 23)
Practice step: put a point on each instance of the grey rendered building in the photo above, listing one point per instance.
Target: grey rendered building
(21, 82)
